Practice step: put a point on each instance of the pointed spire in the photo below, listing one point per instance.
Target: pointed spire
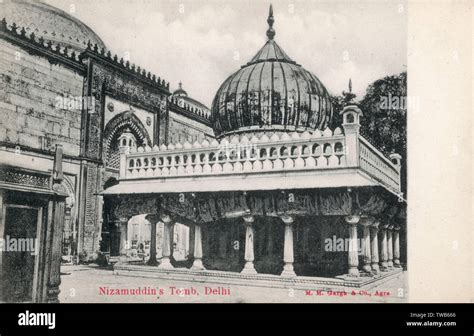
(348, 96)
(270, 21)
(180, 85)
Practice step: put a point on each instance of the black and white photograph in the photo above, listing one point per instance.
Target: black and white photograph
(206, 151)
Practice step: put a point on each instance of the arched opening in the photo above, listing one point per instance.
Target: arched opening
(283, 151)
(317, 151)
(350, 118)
(273, 153)
(69, 238)
(327, 149)
(123, 123)
(320, 250)
(294, 151)
(305, 150)
(223, 244)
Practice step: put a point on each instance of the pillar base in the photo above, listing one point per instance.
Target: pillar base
(197, 265)
(390, 264)
(353, 272)
(288, 271)
(52, 295)
(375, 268)
(249, 268)
(367, 268)
(152, 262)
(396, 264)
(165, 263)
(122, 259)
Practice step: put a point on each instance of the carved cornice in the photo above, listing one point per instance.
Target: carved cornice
(189, 112)
(132, 71)
(210, 207)
(39, 46)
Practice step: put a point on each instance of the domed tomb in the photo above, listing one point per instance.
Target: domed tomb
(49, 22)
(271, 92)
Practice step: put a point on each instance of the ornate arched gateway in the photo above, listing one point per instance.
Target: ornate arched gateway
(126, 121)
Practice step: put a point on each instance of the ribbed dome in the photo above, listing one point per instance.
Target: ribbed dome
(271, 92)
(49, 22)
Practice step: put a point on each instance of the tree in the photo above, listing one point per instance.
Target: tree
(385, 117)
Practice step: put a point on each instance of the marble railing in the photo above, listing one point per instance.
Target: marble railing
(256, 154)
(377, 165)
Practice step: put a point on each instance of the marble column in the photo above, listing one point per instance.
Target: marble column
(167, 242)
(353, 255)
(390, 247)
(288, 250)
(249, 268)
(153, 219)
(384, 252)
(124, 243)
(197, 263)
(192, 238)
(375, 247)
(172, 234)
(396, 247)
(366, 250)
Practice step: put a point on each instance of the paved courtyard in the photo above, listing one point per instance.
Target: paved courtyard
(80, 284)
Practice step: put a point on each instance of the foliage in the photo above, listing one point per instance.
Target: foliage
(385, 113)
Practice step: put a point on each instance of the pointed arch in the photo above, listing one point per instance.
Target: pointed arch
(114, 128)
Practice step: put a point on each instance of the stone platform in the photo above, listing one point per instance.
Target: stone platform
(260, 280)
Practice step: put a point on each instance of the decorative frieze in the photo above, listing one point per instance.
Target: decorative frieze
(24, 178)
(209, 207)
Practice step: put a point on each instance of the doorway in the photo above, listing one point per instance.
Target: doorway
(19, 261)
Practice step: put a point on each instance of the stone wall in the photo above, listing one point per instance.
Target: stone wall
(183, 129)
(30, 90)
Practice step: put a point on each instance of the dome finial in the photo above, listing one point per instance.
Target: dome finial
(270, 21)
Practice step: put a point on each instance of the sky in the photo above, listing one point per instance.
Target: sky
(201, 43)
